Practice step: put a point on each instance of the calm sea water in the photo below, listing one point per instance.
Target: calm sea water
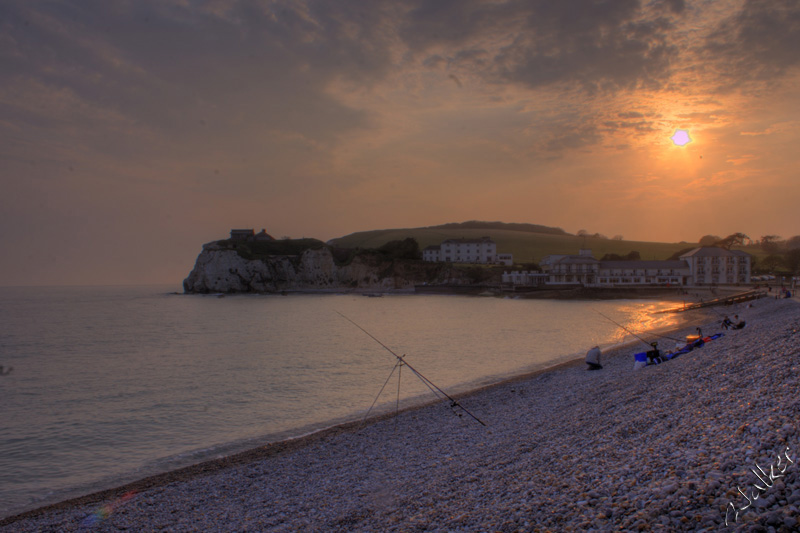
(112, 384)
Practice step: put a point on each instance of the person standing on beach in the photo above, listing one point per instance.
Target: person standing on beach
(593, 359)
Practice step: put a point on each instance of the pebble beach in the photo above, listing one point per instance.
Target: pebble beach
(672, 447)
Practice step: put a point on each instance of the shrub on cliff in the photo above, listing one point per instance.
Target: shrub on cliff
(264, 249)
(405, 249)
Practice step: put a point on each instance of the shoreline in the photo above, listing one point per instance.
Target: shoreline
(553, 293)
(294, 443)
(664, 447)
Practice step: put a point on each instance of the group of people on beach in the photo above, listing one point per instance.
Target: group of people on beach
(727, 323)
(655, 356)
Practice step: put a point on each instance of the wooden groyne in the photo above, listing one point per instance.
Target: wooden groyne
(725, 300)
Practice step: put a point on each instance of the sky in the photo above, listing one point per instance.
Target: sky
(134, 131)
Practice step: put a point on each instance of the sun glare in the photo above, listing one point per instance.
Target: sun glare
(681, 137)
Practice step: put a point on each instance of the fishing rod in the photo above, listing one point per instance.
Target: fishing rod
(632, 333)
(395, 367)
(623, 327)
(431, 385)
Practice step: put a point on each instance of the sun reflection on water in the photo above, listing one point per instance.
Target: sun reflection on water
(639, 319)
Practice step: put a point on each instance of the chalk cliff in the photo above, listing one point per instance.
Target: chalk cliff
(221, 269)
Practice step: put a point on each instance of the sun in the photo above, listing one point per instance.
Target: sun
(681, 138)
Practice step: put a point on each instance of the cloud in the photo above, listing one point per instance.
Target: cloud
(277, 113)
(742, 160)
(597, 44)
(170, 66)
(760, 42)
(777, 128)
(455, 79)
(675, 6)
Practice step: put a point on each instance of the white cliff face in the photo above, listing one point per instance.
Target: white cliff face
(221, 270)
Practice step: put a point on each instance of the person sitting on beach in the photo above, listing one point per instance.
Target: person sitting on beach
(739, 324)
(593, 359)
(654, 355)
(726, 322)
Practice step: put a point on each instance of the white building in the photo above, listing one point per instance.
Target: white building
(627, 273)
(701, 266)
(572, 270)
(481, 251)
(505, 259)
(431, 253)
(548, 261)
(716, 266)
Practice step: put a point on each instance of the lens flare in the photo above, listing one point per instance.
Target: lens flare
(103, 512)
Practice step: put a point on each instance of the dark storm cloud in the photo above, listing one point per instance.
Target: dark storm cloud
(598, 44)
(760, 42)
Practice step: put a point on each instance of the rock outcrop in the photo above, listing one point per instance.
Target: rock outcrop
(221, 269)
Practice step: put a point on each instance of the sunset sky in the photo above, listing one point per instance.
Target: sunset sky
(134, 131)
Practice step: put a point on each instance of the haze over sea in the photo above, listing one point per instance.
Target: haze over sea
(111, 384)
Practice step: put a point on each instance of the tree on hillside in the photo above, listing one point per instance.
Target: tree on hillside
(709, 240)
(771, 263)
(677, 255)
(792, 261)
(769, 243)
(793, 243)
(630, 256)
(735, 239)
(405, 249)
(512, 226)
(617, 238)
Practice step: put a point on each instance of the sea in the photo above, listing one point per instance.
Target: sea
(112, 384)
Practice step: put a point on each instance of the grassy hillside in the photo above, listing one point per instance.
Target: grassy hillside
(526, 247)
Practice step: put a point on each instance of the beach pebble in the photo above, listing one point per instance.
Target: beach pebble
(661, 448)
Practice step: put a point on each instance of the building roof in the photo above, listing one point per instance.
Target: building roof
(674, 265)
(714, 251)
(552, 258)
(433, 247)
(575, 260)
(264, 236)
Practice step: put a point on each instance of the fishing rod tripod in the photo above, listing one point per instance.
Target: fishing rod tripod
(401, 362)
